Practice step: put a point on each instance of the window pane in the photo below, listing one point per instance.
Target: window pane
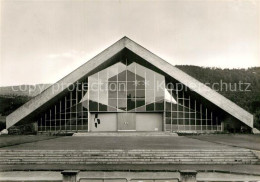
(150, 107)
(112, 72)
(149, 79)
(130, 76)
(111, 109)
(122, 94)
(130, 93)
(174, 121)
(168, 106)
(121, 72)
(130, 104)
(122, 104)
(140, 93)
(159, 94)
(112, 102)
(159, 106)
(168, 120)
(168, 114)
(112, 86)
(140, 72)
(93, 106)
(149, 96)
(102, 107)
(93, 95)
(103, 75)
(159, 76)
(93, 78)
(140, 85)
(122, 76)
(103, 94)
(93, 86)
(112, 94)
(140, 102)
(121, 86)
(141, 109)
(139, 78)
(130, 85)
(131, 72)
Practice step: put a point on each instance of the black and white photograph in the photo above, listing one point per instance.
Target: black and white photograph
(129, 91)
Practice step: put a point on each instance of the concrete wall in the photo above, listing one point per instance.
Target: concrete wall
(149, 121)
(108, 122)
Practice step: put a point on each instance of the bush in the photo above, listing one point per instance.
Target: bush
(27, 129)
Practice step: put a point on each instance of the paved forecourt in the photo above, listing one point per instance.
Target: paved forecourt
(122, 142)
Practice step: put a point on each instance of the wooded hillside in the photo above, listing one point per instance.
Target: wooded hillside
(247, 98)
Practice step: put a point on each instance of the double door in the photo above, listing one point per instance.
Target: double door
(126, 121)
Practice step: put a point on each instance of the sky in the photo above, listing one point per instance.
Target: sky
(43, 41)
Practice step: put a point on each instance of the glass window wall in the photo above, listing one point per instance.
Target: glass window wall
(126, 87)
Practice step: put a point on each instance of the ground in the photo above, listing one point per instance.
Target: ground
(237, 140)
(41, 142)
(118, 142)
(11, 140)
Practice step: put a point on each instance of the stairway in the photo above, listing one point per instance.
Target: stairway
(237, 156)
(119, 134)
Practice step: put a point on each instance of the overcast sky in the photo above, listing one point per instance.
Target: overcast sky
(42, 41)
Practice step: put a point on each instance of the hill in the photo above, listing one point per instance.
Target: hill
(12, 97)
(23, 90)
(247, 97)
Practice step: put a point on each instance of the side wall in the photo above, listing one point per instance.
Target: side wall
(108, 122)
(149, 121)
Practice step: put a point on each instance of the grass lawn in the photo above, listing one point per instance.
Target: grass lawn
(238, 140)
(115, 142)
(42, 142)
(10, 140)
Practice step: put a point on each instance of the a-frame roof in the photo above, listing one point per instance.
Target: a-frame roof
(198, 87)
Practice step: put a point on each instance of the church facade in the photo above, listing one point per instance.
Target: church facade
(128, 88)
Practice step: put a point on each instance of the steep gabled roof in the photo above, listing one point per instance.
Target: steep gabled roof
(169, 69)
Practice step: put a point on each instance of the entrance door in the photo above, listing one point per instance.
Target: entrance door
(126, 122)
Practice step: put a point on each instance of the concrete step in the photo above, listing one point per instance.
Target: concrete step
(123, 152)
(129, 162)
(134, 150)
(128, 157)
(111, 154)
(89, 134)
